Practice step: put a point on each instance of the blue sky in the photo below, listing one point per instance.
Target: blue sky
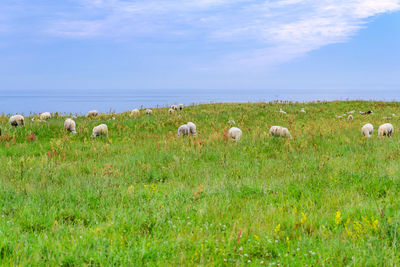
(200, 44)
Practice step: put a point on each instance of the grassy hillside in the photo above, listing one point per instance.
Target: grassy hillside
(145, 197)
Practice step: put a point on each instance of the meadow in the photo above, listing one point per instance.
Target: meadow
(328, 196)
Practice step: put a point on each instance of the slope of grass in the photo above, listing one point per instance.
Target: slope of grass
(145, 197)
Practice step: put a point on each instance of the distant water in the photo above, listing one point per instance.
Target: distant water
(80, 102)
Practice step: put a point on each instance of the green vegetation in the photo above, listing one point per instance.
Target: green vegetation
(145, 197)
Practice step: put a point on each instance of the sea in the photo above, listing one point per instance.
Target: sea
(80, 101)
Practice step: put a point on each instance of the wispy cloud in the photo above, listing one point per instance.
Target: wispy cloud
(262, 33)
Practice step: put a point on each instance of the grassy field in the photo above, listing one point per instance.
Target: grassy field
(145, 197)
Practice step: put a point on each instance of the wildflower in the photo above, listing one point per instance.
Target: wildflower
(338, 217)
(246, 255)
(375, 225)
(303, 218)
(277, 228)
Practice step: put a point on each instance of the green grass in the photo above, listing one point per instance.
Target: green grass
(145, 197)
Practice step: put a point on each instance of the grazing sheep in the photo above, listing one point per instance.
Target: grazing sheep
(45, 116)
(367, 130)
(183, 130)
(149, 111)
(102, 129)
(302, 110)
(350, 118)
(180, 106)
(385, 130)
(170, 111)
(282, 112)
(279, 131)
(366, 112)
(274, 130)
(235, 133)
(174, 107)
(192, 128)
(17, 120)
(92, 113)
(135, 112)
(70, 125)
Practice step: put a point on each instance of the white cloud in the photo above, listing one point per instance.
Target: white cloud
(261, 33)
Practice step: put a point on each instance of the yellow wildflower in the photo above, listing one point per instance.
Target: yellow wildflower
(338, 218)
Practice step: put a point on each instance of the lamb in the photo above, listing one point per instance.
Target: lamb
(92, 113)
(102, 129)
(45, 116)
(367, 130)
(174, 107)
(192, 128)
(135, 112)
(70, 125)
(279, 131)
(350, 118)
(235, 133)
(183, 130)
(180, 106)
(17, 120)
(282, 112)
(149, 111)
(385, 130)
(170, 111)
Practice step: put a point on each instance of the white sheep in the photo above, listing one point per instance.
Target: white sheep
(192, 128)
(350, 118)
(282, 112)
(235, 133)
(102, 129)
(135, 112)
(183, 130)
(170, 111)
(174, 107)
(302, 110)
(149, 111)
(70, 125)
(279, 131)
(92, 113)
(367, 130)
(385, 130)
(180, 106)
(274, 130)
(17, 120)
(45, 116)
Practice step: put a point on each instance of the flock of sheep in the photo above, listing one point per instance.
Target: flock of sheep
(235, 133)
